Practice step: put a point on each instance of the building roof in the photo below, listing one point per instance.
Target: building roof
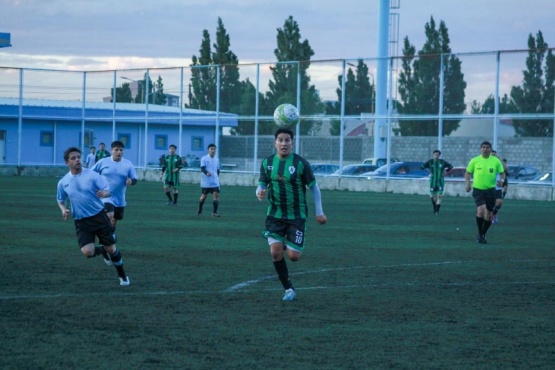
(97, 111)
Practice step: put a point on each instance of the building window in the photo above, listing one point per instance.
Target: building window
(89, 138)
(46, 138)
(197, 143)
(125, 139)
(161, 142)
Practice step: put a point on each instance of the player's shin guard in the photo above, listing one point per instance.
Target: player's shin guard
(283, 274)
(215, 204)
(118, 263)
(200, 204)
(175, 195)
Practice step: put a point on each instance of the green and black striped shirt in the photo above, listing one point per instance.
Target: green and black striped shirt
(286, 181)
(437, 168)
(172, 162)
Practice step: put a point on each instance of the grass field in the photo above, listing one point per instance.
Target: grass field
(385, 284)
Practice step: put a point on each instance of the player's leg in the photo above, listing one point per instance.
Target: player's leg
(167, 191)
(480, 202)
(215, 201)
(275, 231)
(106, 237)
(203, 195)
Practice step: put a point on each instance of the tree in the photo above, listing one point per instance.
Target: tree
(359, 95)
(123, 94)
(293, 56)
(537, 91)
(488, 107)
(203, 77)
(419, 83)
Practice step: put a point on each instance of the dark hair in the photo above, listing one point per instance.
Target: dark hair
(69, 150)
(92, 147)
(485, 143)
(284, 130)
(117, 144)
(437, 151)
(102, 144)
(172, 146)
(211, 146)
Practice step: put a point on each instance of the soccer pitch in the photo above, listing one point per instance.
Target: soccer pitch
(385, 284)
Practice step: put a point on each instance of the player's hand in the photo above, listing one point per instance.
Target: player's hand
(102, 193)
(65, 214)
(468, 187)
(129, 181)
(322, 219)
(261, 194)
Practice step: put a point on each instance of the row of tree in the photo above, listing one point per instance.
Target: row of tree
(418, 85)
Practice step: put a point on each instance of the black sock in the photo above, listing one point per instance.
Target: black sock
(434, 204)
(437, 208)
(283, 274)
(169, 196)
(118, 263)
(175, 197)
(200, 204)
(496, 209)
(480, 223)
(215, 204)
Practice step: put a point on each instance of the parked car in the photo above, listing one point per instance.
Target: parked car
(522, 173)
(323, 169)
(399, 169)
(545, 178)
(354, 169)
(379, 161)
(455, 174)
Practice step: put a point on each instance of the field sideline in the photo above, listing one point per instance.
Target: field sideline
(385, 284)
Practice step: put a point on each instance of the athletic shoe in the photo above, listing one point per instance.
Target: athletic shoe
(199, 213)
(174, 204)
(494, 219)
(106, 257)
(482, 239)
(215, 214)
(289, 295)
(125, 282)
(170, 202)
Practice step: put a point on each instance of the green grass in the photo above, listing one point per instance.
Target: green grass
(385, 284)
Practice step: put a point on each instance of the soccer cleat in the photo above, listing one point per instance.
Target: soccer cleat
(482, 239)
(289, 295)
(494, 219)
(215, 214)
(125, 282)
(170, 202)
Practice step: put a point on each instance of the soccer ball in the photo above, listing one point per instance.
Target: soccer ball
(286, 115)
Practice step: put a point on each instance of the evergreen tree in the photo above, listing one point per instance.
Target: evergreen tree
(123, 94)
(203, 77)
(230, 87)
(419, 83)
(283, 87)
(537, 91)
(359, 95)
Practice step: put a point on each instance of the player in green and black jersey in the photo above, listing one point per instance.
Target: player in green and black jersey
(171, 164)
(284, 177)
(437, 168)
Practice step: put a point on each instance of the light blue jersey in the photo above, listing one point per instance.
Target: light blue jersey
(81, 190)
(116, 174)
(212, 165)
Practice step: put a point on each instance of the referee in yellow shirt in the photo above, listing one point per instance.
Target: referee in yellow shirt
(484, 169)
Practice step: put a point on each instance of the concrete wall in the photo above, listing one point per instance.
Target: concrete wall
(397, 186)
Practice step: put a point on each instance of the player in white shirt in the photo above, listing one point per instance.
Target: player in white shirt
(210, 181)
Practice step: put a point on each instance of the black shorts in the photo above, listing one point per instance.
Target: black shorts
(95, 226)
(290, 232)
(486, 197)
(210, 190)
(118, 211)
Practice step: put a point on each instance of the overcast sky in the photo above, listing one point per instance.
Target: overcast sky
(112, 34)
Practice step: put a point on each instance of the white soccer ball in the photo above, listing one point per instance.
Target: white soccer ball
(286, 115)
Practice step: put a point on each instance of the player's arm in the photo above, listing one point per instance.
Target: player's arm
(317, 196)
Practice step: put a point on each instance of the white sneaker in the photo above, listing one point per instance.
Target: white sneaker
(125, 282)
(289, 295)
